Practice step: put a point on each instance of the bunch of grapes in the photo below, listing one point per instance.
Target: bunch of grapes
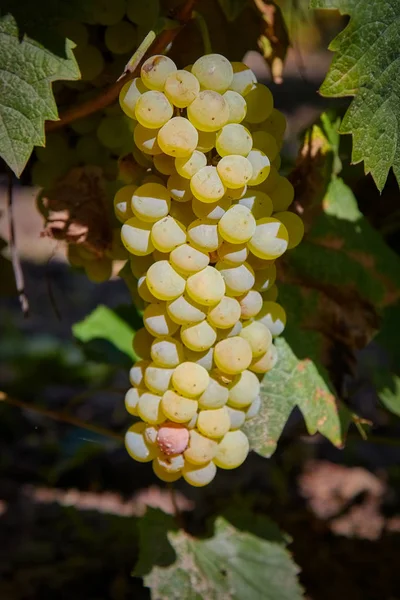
(204, 228)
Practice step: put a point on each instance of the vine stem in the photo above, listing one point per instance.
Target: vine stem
(110, 94)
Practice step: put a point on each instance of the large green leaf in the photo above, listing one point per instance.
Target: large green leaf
(366, 65)
(27, 70)
(231, 564)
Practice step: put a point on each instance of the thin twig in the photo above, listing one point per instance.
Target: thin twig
(16, 264)
(108, 96)
(60, 416)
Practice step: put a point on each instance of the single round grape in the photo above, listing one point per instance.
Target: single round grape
(179, 188)
(265, 142)
(181, 88)
(260, 164)
(250, 304)
(260, 103)
(214, 72)
(273, 316)
(153, 109)
(136, 445)
(137, 371)
(164, 282)
(189, 165)
(233, 355)
(234, 254)
(190, 379)
(198, 336)
(266, 362)
(237, 417)
(233, 139)
(143, 14)
(207, 287)
(122, 203)
(163, 474)
(200, 449)
(209, 111)
(178, 137)
(258, 336)
(232, 450)
(214, 423)
(269, 184)
(211, 211)
(167, 234)
(99, 270)
(206, 141)
(178, 408)
(282, 195)
(164, 164)
(90, 61)
(150, 410)
(142, 341)
(172, 438)
(120, 38)
(253, 409)
(146, 140)
(238, 279)
(188, 260)
(171, 464)
(129, 95)
(155, 70)
(271, 294)
(258, 202)
(113, 132)
(243, 80)
(132, 400)
(167, 352)
(224, 314)
(237, 106)
(136, 236)
(237, 225)
(184, 311)
(151, 202)
(199, 475)
(294, 226)
(216, 394)
(158, 379)
(203, 235)
(143, 290)
(107, 13)
(206, 185)
(157, 321)
(235, 171)
(270, 239)
(275, 124)
(244, 389)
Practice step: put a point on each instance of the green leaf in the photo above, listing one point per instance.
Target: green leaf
(299, 382)
(232, 8)
(366, 66)
(230, 565)
(27, 70)
(388, 386)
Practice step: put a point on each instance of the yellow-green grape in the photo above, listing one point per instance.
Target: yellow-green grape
(163, 474)
(150, 410)
(258, 335)
(153, 179)
(143, 290)
(211, 211)
(243, 80)
(282, 195)
(143, 14)
(151, 202)
(132, 400)
(234, 254)
(167, 352)
(122, 202)
(225, 314)
(244, 389)
(142, 342)
(270, 239)
(200, 449)
(182, 212)
(155, 70)
(167, 234)
(235, 171)
(258, 202)
(128, 96)
(190, 379)
(275, 124)
(136, 445)
(266, 362)
(233, 355)
(198, 336)
(277, 162)
(257, 263)
(260, 103)
(273, 316)
(181, 88)
(164, 282)
(250, 304)
(203, 235)
(214, 423)
(233, 139)
(216, 394)
(199, 475)
(153, 109)
(89, 151)
(237, 225)
(223, 334)
(142, 159)
(236, 194)
(90, 61)
(237, 417)
(260, 165)
(113, 132)
(157, 379)
(237, 106)
(179, 188)
(178, 138)
(232, 450)
(207, 287)
(157, 321)
(120, 38)
(178, 408)
(146, 140)
(265, 278)
(267, 143)
(205, 359)
(214, 72)
(209, 111)
(206, 185)
(269, 184)
(99, 270)
(137, 371)
(184, 310)
(271, 294)
(239, 279)
(188, 166)
(170, 464)
(206, 141)
(164, 164)
(188, 260)
(253, 409)
(107, 13)
(294, 226)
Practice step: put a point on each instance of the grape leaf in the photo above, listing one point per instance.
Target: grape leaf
(231, 564)
(27, 70)
(366, 66)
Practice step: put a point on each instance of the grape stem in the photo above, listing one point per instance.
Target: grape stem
(203, 29)
(110, 94)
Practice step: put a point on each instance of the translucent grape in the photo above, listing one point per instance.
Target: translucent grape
(273, 316)
(258, 202)
(144, 14)
(163, 163)
(259, 103)
(253, 409)
(266, 143)
(136, 445)
(207, 287)
(143, 290)
(271, 294)
(244, 389)
(181, 88)
(157, 321)
(233, 355)
(136, 237)
(239, 279)
(206, 141)
(190, 379)
(214, 423)
(179, 188)
(211, 211)
(258, 336)
(216, 394)
(232, 450)
(225, 314)
(122, 203)
(198, 476)
(206, 185)
(209, 111)
(113, 133)
(237, 106)
(250, 304)
(223, 334)
(131, 400)
(149, 408)
(266, 362)
(155, 70)
(163, 474)
(146, 140)
(236, 194)
(157, 379)
(282, 195)
(236, 416)
(164, 282)
(189, 165)
(188, 260)
(235, 171)
(205, 359)
(265, 278)
(137, 371)
(270, 239)
(203, 235)
(120, 37)
(237, 225)
(243, 80)
(167, 234)
(151, 202)
(153, 109)
(234, 254)
(275, 124)
(178, 138)
(167, 352)
(200, 449)
(233, 139)
(184, 310)
(198, 336)
(214, 72)
(107, 13)
(182, 212)
(294, 226)
(129, 95)
(261, 166)
(178, 408)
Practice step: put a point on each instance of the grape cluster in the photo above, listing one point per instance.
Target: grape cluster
(204, 229)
